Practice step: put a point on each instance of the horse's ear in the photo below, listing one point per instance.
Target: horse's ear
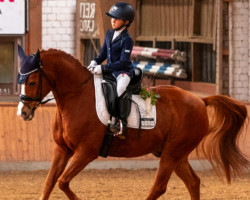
(21, 52)
(37, 56)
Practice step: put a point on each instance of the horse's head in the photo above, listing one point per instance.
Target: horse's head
(33, 86)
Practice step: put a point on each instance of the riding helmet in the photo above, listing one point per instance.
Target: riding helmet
(123, 11)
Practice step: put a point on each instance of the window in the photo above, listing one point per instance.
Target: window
(8, 68)
(90, 49)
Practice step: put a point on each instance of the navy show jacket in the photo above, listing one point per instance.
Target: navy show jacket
(117, 53)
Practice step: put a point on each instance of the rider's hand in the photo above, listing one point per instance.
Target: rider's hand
(98, 69)
(92, 66)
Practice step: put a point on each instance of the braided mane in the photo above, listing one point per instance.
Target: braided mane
(69, 57)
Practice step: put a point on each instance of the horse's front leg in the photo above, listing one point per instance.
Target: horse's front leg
(80, 159)
(59, 162)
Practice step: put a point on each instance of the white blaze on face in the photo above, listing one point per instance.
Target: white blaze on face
(20, 105)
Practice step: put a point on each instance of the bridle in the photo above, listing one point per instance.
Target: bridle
(38, 98)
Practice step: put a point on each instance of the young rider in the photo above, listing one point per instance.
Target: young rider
(116, 49)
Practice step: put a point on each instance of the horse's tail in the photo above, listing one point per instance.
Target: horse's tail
(225, 125)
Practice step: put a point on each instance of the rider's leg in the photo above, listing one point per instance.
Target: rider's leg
(122, 83)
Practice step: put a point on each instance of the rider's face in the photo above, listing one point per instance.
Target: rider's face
(116, 23)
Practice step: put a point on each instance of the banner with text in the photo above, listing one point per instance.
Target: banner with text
(88, 19)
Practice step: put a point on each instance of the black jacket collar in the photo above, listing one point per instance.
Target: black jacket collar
(122, 34)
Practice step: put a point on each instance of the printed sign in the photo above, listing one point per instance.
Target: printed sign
(88, 19)
(12, 17)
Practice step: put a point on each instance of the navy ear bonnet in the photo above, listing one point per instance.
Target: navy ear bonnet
(29, 64)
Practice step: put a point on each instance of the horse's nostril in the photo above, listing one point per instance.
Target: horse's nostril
(24, 113)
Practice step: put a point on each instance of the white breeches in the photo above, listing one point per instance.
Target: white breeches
(122, 83)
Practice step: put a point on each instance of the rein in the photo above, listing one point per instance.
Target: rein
(38, 98)
(87, 79)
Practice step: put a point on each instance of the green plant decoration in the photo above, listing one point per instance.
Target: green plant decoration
(148, 93)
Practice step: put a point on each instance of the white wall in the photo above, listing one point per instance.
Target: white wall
(239, 54)
(58, 25)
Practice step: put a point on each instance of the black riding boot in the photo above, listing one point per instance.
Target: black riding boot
(124, 111)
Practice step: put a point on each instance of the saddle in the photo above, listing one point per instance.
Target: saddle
(110, 94)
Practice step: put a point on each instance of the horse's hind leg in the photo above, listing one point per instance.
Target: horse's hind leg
(188, 176)
(59, 162)
(164, 172)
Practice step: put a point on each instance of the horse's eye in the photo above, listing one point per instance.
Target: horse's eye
(32, 83)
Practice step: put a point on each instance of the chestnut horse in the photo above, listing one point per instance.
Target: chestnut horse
(182, 124)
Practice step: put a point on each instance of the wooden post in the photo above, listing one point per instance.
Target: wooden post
(215, 26)
(173, 43)
(138, 17)
(231, 49)
(78, 38)
(172, 80)
(34, 36)
(154, 42)
(196, 25)
(195, 60)
(101, 16)
(219, 47)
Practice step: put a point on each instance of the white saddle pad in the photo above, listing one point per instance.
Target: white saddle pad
(148, 111)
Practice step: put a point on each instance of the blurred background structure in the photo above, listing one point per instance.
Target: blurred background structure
(214, 34)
